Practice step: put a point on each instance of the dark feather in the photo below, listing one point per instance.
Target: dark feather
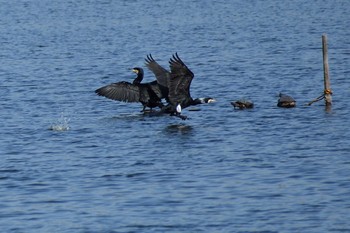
(121, 91)
(179, 83)
(162, 75)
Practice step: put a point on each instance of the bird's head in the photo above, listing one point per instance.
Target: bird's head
(137, 70)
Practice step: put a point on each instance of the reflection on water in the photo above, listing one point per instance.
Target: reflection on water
(128, 116)
(328, 108)
(178, 129)
(138, 115)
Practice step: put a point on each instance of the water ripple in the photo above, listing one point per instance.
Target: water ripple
(103, 166)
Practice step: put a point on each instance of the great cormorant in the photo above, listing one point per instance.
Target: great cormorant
(149, 94)
(179, 88)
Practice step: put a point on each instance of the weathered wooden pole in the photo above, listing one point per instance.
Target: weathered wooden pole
(327, 83)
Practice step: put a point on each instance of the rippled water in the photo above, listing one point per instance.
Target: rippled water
(72, 161)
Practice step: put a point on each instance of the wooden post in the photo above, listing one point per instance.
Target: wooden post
(327, 83)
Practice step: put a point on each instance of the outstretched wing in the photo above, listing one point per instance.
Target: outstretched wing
(162, 75)
(180, 81)
(121, 91)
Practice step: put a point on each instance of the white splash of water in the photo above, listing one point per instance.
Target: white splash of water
(62, 124)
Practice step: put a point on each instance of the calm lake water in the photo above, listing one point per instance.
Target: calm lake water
(72, 161)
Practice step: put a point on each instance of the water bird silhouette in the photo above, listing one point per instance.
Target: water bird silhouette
(286, 101)
(242, 104)
(148, 94)
(179, 88)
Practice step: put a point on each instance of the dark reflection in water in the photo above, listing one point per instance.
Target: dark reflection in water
(128, 117)
(138, 115)
(178, 129)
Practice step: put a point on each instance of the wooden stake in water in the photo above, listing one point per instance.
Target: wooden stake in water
(327, 93)
(327, 83)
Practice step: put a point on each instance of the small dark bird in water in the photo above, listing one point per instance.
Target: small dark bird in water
(286, 101)
(149, 94)
(242, 104)
(179, 88)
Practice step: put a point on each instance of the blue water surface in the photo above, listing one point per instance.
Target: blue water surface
(72, 161)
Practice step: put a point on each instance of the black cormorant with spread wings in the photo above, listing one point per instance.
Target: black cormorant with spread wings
(149, 94)
(179, 88)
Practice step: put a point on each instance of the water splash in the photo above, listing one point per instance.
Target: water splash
(62, 124)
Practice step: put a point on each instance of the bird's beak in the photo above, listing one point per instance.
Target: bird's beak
(135, 71)
(211, 101)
